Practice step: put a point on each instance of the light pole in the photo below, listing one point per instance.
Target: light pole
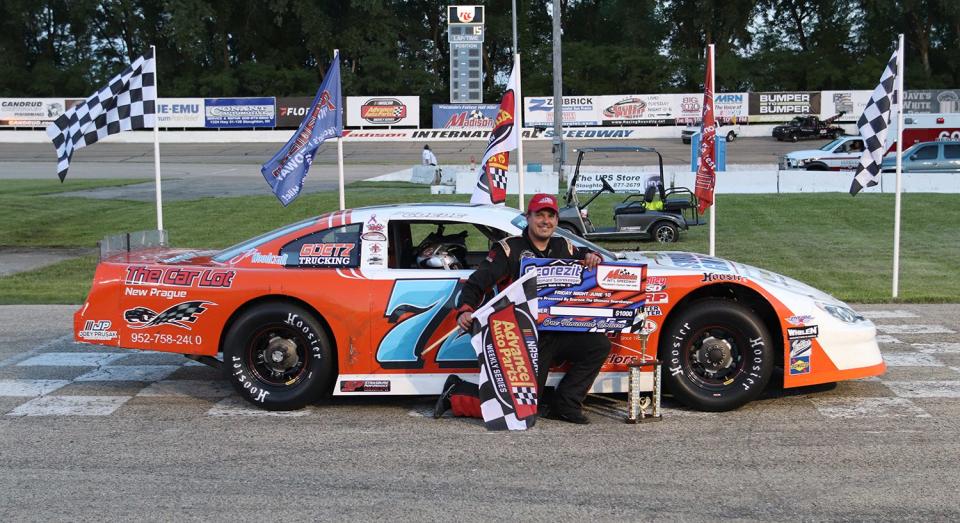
(557, 93)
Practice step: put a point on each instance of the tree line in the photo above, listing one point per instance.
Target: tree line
(212, 48)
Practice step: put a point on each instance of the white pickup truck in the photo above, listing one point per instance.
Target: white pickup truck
(840, 154)
(730, 131)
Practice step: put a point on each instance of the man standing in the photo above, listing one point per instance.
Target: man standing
(427, 157)
(585, 351)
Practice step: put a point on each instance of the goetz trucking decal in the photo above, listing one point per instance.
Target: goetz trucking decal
(573, 298)
(179, 277)
(326, 253)
(179, 315)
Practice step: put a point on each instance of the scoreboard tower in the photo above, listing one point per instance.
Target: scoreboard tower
(465, 36)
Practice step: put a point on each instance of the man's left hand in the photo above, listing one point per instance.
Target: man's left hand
(591, 260)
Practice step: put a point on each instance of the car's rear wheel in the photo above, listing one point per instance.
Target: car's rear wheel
(278, 357)
(731, 136)
(718, 355)
(817, 166)
(793, 138)
(665, 232)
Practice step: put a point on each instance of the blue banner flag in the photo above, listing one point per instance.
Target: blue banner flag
(287, 169)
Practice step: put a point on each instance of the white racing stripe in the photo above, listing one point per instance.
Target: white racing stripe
(914, 329)
(70, 406)
(868, 408)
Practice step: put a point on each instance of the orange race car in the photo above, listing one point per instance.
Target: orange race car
(349, 303)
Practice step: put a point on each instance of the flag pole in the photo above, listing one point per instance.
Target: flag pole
(156, 142)
(336, 56)
(896, 205)
(518, 122)
(713, 208)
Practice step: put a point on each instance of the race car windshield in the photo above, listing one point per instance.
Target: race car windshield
(240, 248)
(521, 221)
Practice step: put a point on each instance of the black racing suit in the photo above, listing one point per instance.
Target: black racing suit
(585, 351)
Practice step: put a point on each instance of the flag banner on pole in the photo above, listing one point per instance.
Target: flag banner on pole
(505, 340)
(128, 101)
(492, 183)
(288, 168)
(874, 124)
(706, 169)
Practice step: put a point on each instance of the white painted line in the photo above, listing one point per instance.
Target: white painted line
(914, 329)
(24, 355)
(71, 359)
(910, 359)
(129, 373)
(883, 338)
(187, 388)
(938, 348)
(70, 406)
(925, 389)
(887, 314)
(868, 408)
(236, 406)
(30, 388)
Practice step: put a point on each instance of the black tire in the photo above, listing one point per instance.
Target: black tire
(731, 136)
(665, 232)
(717, 355)
(793, 138)
(817, 166)
(305, 370)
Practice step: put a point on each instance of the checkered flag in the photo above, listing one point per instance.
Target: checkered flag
(127, 102)
(525, 395)
(499, 178)
(178, 315)
(874, 124)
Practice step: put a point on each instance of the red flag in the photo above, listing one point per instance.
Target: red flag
(492, 184)
(706, 168)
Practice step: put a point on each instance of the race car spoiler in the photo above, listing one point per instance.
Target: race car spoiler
(131, 241)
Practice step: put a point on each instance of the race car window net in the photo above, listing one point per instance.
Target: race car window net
(131, 241)
(230, 252)
(521, 221)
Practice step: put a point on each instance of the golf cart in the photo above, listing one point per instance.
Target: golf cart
(635, 216)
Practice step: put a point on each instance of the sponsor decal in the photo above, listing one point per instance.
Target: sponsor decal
(365, 386)
(383, 110)
(430, 214)
(325, 253)
(154, 292)
(557, 276)
(656, 298)
(178, 315)
(712, 276)
(179, 277)
(374, 236)
(801, 347)
(97, 330)
(800, 365)
(373, 225)
(619, 278)
(527, 254)
(653, 310)
(695, 261)
(800, 333)
(180, 257)
(256, 256)
(800, 319)
(622, 359)
(655, 284)
(628, 108)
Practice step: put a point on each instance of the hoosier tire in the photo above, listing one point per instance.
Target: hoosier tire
(278, 357)
(717, 355)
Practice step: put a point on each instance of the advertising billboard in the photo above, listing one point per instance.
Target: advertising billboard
(29, 112)
(577, 110)
(239, 112)
(180, 112)
(383, 111)
(637, 109)
(931, 101)
(783, 106)
(464, 116)
(292, 110)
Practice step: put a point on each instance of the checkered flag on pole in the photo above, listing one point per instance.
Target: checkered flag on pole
(874, 124)
(127, 102)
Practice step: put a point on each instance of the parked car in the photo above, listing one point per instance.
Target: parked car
(926, 156)
(351, 303)
(839, 154)
(730, 131)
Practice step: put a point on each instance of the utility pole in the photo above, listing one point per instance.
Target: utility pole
(558, 155)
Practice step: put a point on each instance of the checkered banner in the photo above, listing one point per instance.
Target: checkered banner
(505, 340)
(127, 102)
(874, 124)
(491, 185)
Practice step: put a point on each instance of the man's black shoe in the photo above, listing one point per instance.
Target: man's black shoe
(569, 417)
(443, 402)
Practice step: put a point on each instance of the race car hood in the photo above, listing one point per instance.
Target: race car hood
(807, 154)
(677, 263)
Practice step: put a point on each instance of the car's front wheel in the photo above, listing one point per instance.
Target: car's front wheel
(731, 136)
(278, 356)
(718, 355)
(665, 232)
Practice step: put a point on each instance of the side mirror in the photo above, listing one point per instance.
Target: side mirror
(913, 156)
